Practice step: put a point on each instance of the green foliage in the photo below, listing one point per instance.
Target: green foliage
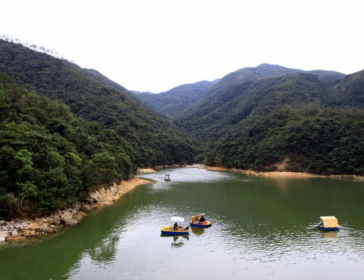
(228, 110)
(102, 169)
(48, 158)
(94, 98)
(315, 139)
(25, 163)
(26, 190)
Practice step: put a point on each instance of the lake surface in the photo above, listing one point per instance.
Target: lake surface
(263, 228)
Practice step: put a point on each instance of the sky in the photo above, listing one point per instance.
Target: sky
(155, 45)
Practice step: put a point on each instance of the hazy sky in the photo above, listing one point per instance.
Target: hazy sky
(155, 45)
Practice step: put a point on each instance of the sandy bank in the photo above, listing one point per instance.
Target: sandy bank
(251, 172)
(145, 170)
(286, 174)
(275, 174)
(71, 216)
(217, 168)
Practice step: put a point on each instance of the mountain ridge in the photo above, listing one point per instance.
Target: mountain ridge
(174, 101)
(95, 98)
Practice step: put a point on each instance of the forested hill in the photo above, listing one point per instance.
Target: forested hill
(154, 140)
(308, 139)
(350, 91)
(251, 118)
(173, 102)
(107, 82)
(311, 123)
(235, 102)
(254, 73)
(50, 159)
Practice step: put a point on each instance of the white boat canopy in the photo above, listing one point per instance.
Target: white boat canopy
(178, 219)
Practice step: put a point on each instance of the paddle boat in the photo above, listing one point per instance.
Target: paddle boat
(177, 229)
(199, 221)
(328, 223)
(166, 178)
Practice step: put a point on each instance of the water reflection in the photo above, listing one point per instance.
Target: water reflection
(330, 234)
(178, 240)
(263, 229)
(105, 251)
(198, 230)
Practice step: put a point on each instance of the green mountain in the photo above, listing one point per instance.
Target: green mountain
(349, 92)
(107, 82)
(309, 138)
(89, 95)
(48, 158)
(171, 103)
(251, 118)
(242, 97)
(256, 118)
(254, 73)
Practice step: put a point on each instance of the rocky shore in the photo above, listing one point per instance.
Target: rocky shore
(71, 216)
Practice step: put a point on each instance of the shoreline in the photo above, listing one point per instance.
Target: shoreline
(286, 174)
(51, 223)
(250, 172)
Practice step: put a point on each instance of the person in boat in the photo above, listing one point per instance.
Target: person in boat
(175, 226)
(202, 219)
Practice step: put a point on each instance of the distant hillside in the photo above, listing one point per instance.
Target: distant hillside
(350, 91)
(94, 98)
(299, 122)
(254, 73)
(171, 103)
(242, 97)
(105, 81)
(307, 139)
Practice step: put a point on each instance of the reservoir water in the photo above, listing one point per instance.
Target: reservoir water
(263, 228)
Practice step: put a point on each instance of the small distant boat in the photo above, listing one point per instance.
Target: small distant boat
(199, 221)
(328, 223)
(178, 230)
(167, 178)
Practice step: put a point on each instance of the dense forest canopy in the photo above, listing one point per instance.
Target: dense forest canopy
(313, 139)
(48, 157)
(93, 97)
(243, 97)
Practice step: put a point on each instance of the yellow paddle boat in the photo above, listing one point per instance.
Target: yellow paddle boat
(199, 221)
(328, 223)
(167, 178)
(171, 231)
(176, 229)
